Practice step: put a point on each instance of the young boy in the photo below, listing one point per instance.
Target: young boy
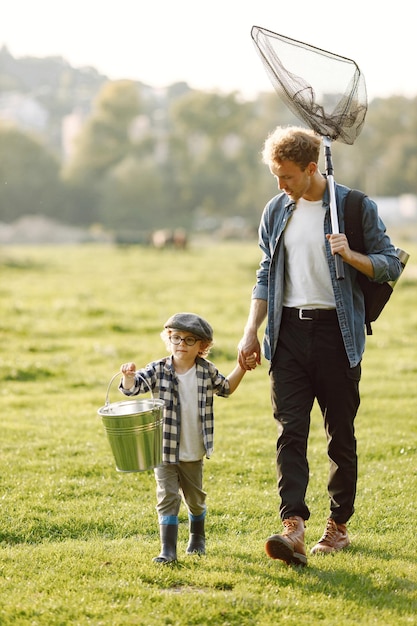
(187, 382)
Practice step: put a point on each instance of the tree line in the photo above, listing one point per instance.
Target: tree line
(185, 158)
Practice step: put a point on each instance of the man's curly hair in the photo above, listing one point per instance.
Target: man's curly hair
(292, 143)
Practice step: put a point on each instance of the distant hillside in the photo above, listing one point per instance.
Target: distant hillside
(51, 77)
(37, 93)
(44, 90)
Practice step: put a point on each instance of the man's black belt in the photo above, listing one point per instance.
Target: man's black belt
(309, 314)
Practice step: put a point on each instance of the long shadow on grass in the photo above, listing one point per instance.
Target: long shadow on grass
(380, 554)
(362, 589)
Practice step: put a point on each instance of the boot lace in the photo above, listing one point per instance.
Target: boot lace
(290, 526)
(331, 532)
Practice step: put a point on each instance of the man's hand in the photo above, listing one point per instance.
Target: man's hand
(249, 351)
(339, 245)
(361, 262)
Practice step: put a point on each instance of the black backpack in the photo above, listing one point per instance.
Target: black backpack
(376, 295)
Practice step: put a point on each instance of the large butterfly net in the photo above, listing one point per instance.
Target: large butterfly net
(325, 90)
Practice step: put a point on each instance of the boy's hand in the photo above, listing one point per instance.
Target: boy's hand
(251, 361)
(128, 371)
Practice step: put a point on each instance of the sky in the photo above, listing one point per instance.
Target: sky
(208, 44)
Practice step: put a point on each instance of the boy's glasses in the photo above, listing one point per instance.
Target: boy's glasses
(189, 341)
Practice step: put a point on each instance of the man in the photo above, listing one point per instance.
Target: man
(315, 334)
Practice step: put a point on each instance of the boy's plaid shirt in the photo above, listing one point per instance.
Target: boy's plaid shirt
(161, 378)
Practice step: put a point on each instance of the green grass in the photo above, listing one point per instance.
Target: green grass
(77, 538)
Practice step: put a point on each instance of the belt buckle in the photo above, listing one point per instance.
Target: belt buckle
(301, 317)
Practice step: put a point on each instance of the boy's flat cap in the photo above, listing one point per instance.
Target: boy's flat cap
(192, 323)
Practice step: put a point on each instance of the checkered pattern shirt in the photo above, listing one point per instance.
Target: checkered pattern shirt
(161, 378)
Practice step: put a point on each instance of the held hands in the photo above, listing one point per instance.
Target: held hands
(251, 361)
(249, 352)
(128, 372)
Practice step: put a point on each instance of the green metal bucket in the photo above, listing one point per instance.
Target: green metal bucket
(134, 432)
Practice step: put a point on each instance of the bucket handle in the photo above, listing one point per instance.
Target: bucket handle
(118, 374)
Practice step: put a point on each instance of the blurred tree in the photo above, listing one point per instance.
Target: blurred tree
(206, 145)
(258, 186)
(29, 177)
(131, 196)
(104, 140)
(383, 159)
(154, 158)
(103, 144)
(391, 143)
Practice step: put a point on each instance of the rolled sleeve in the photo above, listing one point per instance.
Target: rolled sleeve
(378, 245)
(260, 292)
(386, 267)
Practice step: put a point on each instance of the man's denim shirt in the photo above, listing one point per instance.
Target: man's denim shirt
(347, 292)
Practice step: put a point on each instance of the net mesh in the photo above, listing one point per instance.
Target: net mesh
(337, 104)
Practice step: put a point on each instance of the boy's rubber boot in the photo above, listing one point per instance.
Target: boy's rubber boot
(169, 536)
(197, 542)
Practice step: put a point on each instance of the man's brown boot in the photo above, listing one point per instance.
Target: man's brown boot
(289, 546)
(335, 537)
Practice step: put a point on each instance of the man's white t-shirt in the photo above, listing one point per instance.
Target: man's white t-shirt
(307, 277)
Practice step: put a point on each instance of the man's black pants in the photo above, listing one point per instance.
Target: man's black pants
(310, 363)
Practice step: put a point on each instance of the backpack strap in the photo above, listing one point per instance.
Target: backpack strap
(354, 234)
(353, 219)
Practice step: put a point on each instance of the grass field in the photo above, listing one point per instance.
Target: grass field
(77, 538)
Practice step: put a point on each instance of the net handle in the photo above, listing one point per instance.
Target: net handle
(340, 270)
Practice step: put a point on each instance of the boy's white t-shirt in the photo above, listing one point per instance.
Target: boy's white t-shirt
(191, 435)
(307, 277)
